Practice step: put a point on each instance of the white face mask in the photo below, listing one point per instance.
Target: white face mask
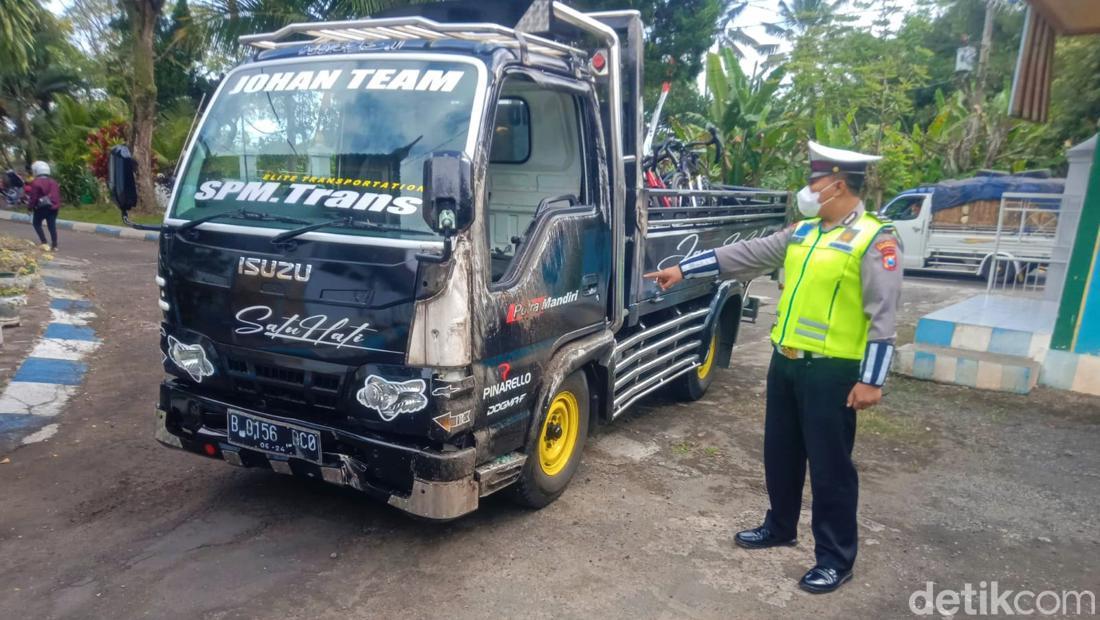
(809, 201)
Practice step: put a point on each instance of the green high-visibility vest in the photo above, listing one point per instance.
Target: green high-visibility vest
(821, 308)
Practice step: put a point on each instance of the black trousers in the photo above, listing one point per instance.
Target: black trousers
(808, 419)
(50, 217)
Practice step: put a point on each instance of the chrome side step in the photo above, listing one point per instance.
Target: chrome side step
(499, 473)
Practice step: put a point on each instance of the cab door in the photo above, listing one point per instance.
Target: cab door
(911, 214)
(547, 238)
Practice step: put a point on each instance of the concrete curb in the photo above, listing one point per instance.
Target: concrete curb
(54, 370)
(99, 229)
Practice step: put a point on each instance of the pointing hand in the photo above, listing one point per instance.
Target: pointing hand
(667, 277)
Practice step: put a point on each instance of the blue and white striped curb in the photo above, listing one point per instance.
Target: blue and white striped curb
(47, 379)
(99, 229)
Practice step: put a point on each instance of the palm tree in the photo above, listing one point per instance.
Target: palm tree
(798, 16)
(735, 37)
(18, 22)
(27, 91)
(221, 21)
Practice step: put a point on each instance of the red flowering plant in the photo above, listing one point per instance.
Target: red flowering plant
(100, 142)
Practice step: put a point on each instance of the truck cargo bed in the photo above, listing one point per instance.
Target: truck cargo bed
(718, 217)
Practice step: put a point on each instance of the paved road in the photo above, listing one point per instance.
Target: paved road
(101, 522)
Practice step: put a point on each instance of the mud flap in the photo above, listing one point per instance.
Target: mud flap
(751, 309)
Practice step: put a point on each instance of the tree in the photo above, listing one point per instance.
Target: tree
(757, 140)
(798, 16)
(27, 92)
(1075, 93)
(18, 21)
(678, 33)
(143, 16)
(178, 56)
(736, 38)
(222, 21)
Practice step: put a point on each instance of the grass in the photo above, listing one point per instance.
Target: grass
(891, 426)
(105, 214)
(682, 448)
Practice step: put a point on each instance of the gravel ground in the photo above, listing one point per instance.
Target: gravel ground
(958, 486)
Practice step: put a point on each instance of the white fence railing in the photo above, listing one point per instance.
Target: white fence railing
(1027, 226)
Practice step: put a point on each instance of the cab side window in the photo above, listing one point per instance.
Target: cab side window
(535, 156)
(905, 208)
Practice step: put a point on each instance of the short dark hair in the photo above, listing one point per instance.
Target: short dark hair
(854, 181)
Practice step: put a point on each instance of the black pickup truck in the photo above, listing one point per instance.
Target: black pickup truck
(404, 254)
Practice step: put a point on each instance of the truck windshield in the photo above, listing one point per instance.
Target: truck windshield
(327, 139)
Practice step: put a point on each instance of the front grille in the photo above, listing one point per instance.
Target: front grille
(270, 384)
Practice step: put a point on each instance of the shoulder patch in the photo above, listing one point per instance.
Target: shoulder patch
(887, 246)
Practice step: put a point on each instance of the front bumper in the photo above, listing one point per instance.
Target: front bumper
(420, 481)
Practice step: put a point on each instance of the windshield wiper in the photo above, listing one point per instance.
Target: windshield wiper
(344, 222)
(240, 214)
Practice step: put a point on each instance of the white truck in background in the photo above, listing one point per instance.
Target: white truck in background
(960, 226)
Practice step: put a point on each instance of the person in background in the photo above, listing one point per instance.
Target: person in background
(44, 201)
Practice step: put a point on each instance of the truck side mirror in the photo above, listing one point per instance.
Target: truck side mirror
(448, 199)
(120, 178)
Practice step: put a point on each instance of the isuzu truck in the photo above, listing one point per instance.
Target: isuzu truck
(404, 254)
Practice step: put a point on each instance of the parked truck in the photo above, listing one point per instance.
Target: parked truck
(989, 222)
(404, 255)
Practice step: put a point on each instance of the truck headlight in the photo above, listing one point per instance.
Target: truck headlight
(191, 358)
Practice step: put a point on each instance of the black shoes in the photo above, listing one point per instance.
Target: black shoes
(761, 538)
(821, 579)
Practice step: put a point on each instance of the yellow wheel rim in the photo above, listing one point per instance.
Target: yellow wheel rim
(704, 369)
(559, 433)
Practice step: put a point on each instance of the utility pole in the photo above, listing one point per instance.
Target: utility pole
(977, 96)
(983, 51)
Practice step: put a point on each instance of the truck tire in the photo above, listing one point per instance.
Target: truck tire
(691, 385)
(555, 444)
(1005, 274)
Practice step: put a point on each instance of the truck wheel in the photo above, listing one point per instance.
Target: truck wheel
(691, 385)
(555, 444)
(1005, 274)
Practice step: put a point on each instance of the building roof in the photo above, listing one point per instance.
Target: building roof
(1069, 17)
(1046, 20)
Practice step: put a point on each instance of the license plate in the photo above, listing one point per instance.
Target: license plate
(249, 431)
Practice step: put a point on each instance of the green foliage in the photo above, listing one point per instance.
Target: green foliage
(178, 54)
(1075, 94)
(18, 21)
(678, 33)
(797, 17)
(173, 126)
(27, 92)
(756, 140)
(68, 147)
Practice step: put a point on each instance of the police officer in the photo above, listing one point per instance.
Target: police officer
(833, 340)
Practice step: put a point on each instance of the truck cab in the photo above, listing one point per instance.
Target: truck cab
(404, 255)
(911, 213)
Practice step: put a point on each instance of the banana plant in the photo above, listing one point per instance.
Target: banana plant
(756, 138)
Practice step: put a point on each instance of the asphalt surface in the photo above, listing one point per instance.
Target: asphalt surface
(958, 486)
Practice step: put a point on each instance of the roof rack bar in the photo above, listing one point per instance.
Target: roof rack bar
(402, 28)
